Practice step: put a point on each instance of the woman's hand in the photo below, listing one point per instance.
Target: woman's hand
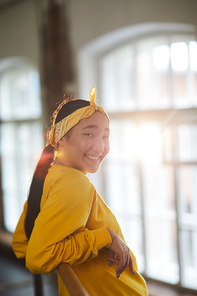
(119, 253)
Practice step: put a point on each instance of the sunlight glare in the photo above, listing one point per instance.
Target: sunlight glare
(179, 56)
(193, 55)
(161, 57)
(148, 144)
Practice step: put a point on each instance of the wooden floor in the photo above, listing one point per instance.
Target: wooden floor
(15, 280)
(158, 289)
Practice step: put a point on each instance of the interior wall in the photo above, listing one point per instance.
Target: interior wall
(18, 32)
(87, 21)
(91, 19)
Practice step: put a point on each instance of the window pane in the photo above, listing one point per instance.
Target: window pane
(21, 145)
(121, 169)
(157, 72)
(162, 85)
(123, 192)
(188, 193)
(20, 94)
(162, 260)
(118, 80)
(187, 142)
(123, 185)
(123, 197)
(158, 184)
(189, 258)
(179, 63)
(144, 73)
(148, 143)
(133, 234)
(160, 205)
(193, 67)
(168, 144)
(123, 141)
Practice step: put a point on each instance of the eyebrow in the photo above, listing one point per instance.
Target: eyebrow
(93, 126)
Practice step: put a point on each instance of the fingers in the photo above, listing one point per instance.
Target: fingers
(131, 266)
(119, 248)
(120, 268)
(122, 263)
(110, 263)
(113, 260)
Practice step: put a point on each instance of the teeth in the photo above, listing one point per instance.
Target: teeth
(93, 157)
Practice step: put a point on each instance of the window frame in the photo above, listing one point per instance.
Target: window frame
(89, 57)
(6, 65)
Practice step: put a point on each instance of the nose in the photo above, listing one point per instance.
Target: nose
(98, 146)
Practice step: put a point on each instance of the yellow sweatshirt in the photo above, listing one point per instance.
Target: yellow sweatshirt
(71, 227)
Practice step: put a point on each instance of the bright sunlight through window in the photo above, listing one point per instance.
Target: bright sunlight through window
(149, 88)
(21, 136)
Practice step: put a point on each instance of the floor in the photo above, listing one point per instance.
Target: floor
(158, 289)
(15, 280)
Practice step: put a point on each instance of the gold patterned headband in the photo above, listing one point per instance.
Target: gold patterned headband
(63, 126)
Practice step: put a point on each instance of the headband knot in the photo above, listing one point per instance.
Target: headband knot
(93, 96)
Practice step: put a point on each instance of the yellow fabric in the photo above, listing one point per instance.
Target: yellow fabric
(71, 227)
(20, 241)
(63, 126)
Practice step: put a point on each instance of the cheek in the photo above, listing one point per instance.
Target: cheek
(107, 148)
(81, 146)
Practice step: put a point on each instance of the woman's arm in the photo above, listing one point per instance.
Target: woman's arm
(20, 241)
(71, 281)
(60, 233)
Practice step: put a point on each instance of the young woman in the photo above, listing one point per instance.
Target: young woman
(65, 223)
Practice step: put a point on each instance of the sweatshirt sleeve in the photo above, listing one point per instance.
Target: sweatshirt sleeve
(19, 241)
(60, 233)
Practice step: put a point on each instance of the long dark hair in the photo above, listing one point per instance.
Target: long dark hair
(36, 187)
(44, 163)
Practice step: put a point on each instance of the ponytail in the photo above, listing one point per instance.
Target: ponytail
(36, 188)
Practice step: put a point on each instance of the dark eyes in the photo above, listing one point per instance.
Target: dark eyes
(91, 135)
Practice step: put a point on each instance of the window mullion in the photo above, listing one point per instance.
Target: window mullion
(171, 77)
(177, 204)
(143, 215)
(189, 77)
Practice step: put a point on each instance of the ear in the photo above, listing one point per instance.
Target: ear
(61, 142)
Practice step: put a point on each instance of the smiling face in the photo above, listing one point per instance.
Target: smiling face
(86, 145)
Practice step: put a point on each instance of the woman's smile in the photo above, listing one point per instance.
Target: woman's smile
(92, 157)
(86, 144)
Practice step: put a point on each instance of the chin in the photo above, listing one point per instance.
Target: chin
(92, 170)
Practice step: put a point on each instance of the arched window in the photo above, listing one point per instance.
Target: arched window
(147, 81)
(21, 134)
